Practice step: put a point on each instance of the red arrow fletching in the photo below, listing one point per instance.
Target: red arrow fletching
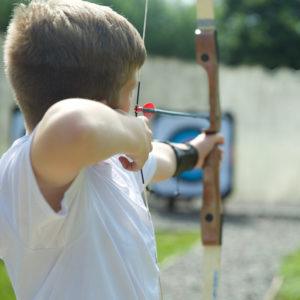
(146, 106)
(149, 105)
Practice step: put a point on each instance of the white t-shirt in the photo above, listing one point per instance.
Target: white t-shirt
(101, 244)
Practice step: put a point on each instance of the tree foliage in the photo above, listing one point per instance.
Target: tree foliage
(264, 32)
(170, 25)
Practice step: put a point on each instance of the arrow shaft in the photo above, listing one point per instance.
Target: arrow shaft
(174, 113)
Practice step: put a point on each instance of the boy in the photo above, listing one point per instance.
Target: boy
(73, 224)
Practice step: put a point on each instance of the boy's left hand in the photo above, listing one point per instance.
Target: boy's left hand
(204, 144)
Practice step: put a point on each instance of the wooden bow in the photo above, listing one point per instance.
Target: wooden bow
(211, 212)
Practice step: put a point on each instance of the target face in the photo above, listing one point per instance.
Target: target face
(189, 184)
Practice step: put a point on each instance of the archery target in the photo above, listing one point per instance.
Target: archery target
(189, 184)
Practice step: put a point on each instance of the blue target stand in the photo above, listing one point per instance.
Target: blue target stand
(189, 185)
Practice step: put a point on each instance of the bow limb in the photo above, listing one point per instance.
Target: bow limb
(211, 212)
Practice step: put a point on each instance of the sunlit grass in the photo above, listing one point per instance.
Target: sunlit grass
(290, 271)
(6, 291)
(170, 243)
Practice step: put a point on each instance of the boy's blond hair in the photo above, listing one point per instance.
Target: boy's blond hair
(61, 49)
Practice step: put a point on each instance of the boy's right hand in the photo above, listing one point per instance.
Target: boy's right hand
(77, 133)
(135, 161)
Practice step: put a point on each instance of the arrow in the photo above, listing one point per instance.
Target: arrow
(149, 110)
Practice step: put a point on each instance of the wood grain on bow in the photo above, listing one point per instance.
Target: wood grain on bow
(211, 212)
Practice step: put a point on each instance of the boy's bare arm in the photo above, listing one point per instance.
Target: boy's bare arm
(76, 133)
(166, 159)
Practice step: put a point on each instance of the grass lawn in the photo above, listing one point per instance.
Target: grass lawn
(290, 271)
(171, 243)
(6, 291)
(168, 244)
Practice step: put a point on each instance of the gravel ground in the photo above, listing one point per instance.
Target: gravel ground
(256, 237)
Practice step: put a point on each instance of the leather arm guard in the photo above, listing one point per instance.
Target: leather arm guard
(186, 159)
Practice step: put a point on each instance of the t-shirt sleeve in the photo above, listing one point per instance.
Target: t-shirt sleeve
(29, 215)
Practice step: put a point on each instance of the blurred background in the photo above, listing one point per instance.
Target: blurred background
(259, 43)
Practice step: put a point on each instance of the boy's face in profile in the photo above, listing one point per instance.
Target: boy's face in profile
(126, 93)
